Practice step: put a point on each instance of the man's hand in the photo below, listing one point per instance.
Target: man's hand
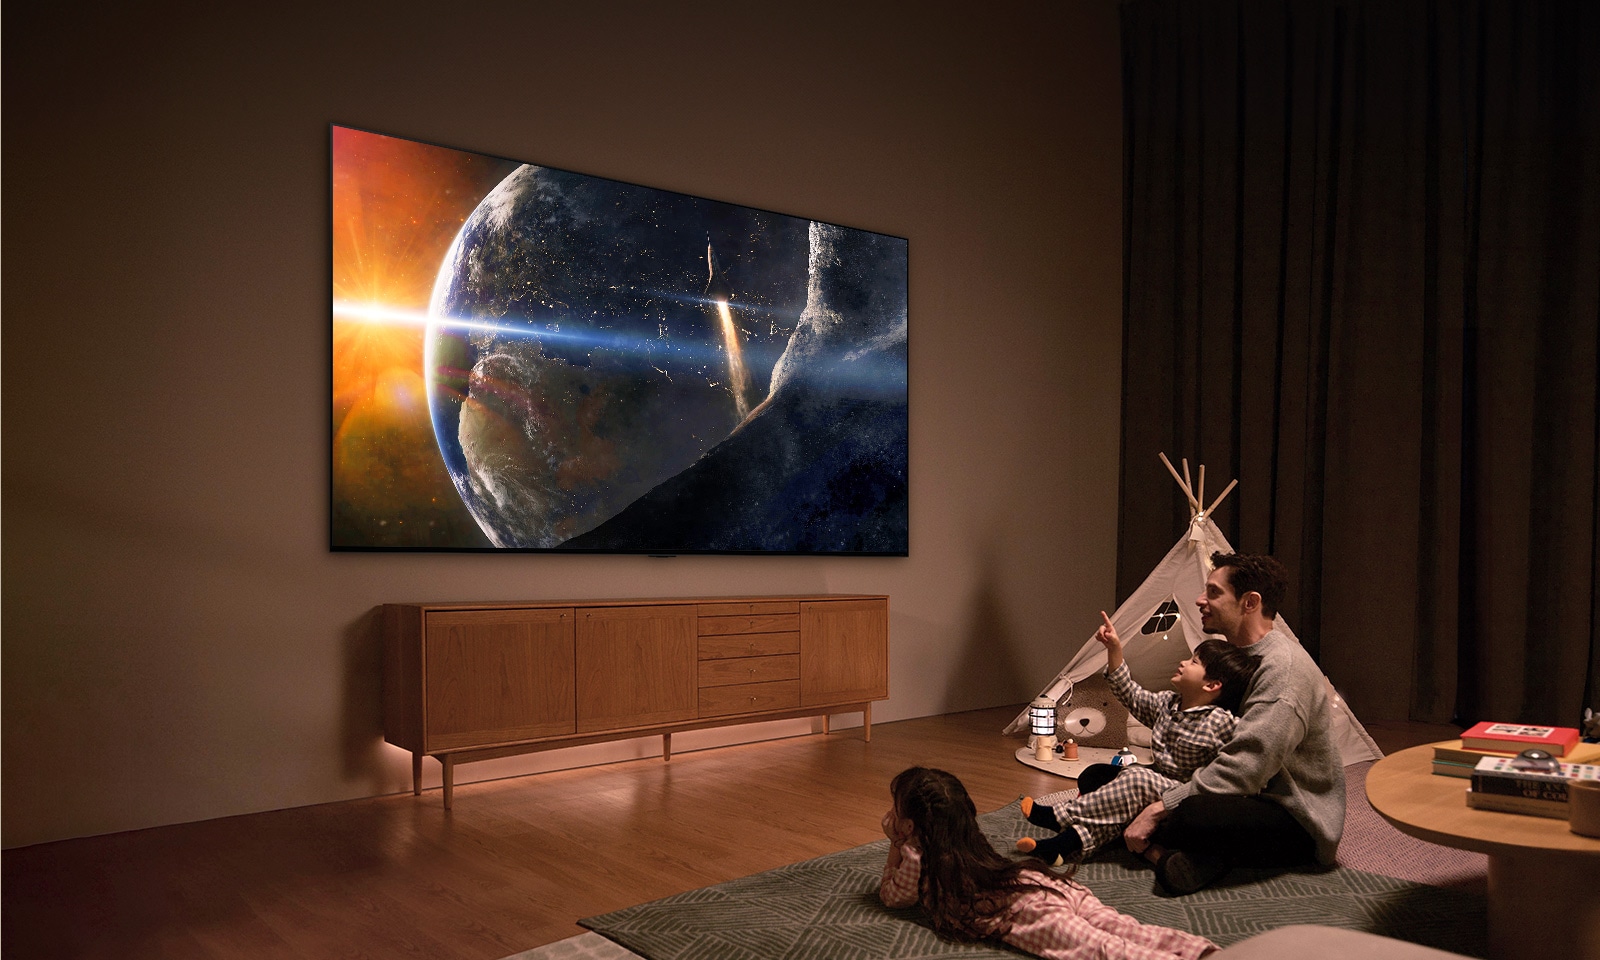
(1137, 834)
(1107, 635)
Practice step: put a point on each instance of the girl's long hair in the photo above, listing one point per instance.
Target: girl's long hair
(966, 887)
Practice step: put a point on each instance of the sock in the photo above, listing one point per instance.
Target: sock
(1062, 848)
(1039, 815)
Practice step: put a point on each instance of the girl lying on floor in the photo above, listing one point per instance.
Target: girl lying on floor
(940, 859)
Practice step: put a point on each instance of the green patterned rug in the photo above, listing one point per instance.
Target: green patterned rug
(828, 908)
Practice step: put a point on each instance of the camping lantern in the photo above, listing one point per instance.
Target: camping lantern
(1042, 717)
(1042, 722)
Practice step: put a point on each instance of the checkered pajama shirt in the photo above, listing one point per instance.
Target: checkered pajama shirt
(1181, 741)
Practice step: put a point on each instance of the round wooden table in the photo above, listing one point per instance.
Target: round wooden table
(1544, 880)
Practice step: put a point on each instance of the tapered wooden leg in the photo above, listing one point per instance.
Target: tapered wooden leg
(824, 724)
(449, 762)
(416, 773)
(666, 746)
(866, 723)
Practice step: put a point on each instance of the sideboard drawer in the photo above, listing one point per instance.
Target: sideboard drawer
(749, 698)
(745, 608)
(751, 623)
(720, 673)
(749, 645)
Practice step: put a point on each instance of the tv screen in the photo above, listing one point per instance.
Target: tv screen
(531, 359)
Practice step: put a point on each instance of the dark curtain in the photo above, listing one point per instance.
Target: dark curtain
(1362, 255)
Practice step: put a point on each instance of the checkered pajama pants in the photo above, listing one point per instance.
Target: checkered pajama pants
(1100, 815)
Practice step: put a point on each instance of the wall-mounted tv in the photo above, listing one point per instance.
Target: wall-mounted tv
(531, 359)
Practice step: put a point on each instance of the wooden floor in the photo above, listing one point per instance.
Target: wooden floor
(512, 867)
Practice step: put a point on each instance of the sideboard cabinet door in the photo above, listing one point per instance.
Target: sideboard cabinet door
(636, 666)
(844, 651)
(498, 676)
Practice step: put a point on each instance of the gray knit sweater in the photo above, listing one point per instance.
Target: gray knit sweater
(1283, 746)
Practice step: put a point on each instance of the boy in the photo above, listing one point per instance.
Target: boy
(1188, 725)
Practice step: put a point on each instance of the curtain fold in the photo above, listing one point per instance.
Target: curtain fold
(1362, 275)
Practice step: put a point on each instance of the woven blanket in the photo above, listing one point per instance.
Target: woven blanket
(828, 908)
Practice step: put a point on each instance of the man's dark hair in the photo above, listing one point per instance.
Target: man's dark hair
(1230, 666)
(1257, 572)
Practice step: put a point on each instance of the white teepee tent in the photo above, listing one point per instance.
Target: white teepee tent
(1165, 602)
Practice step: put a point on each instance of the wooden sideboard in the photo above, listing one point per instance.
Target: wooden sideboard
(476, 681)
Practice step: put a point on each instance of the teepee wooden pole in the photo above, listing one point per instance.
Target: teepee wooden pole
(1186, 483)
(1225, 491)
(1200, 494)
(1182, 484)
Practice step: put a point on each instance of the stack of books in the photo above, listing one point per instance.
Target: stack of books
(1458, 758)
(1497, 784)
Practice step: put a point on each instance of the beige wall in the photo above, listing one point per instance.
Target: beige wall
(180, 644)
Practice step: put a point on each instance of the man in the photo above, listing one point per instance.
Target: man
(1274, 794)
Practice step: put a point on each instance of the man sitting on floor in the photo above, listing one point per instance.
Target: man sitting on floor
(1274, 794)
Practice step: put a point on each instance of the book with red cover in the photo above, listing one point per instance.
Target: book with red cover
(1515, 737)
